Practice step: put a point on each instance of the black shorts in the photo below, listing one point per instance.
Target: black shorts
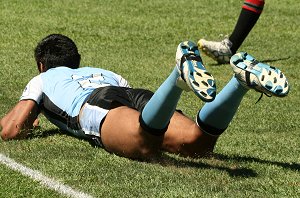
(111, 97)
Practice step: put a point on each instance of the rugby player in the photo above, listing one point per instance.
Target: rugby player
(100, 106)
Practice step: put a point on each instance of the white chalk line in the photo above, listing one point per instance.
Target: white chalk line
(44, 180)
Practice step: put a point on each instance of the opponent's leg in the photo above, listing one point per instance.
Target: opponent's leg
(249, 15)
(223, 50)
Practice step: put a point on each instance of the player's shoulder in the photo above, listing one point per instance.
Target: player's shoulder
(89, 68)
(36, 79)
(95, 70)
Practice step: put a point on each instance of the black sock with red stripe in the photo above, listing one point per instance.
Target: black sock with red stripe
(249, 15)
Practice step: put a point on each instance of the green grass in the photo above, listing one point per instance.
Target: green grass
(258, 156)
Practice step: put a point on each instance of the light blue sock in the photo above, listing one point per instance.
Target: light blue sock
(160, 108)
(219, 113)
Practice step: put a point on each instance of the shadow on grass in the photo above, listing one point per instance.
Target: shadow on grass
(217, 161)
(210, 163)
(38, 133)
(266, 61)
(224, 163)
(275, 59)
(292, 166)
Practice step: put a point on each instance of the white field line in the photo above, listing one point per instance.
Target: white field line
(46, 181)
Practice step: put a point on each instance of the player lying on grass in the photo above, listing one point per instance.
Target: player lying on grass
(99, 105)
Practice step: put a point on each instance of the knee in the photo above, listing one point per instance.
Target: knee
(146, 152)
(194, 136)
(148, 146)
(198, 144)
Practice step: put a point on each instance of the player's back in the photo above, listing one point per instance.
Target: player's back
(68, 88)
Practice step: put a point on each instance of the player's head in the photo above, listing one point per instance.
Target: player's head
(57, 50)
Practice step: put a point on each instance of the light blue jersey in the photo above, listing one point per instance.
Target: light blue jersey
(61, 91)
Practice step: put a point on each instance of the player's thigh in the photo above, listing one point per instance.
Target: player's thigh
(186, 138)
(122, 134)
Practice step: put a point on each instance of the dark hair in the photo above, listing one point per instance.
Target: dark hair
(57, 50)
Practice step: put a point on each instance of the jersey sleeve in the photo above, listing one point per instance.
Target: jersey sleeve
(33, 90)
(122, 81)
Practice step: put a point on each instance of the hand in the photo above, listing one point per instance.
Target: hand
(36, 123)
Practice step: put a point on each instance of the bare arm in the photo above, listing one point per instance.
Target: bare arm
(19, 121)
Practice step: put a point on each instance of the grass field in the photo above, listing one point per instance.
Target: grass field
(259, 154)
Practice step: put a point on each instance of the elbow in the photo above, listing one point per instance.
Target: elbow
(3, 130)
(5, 135)
(8, 133)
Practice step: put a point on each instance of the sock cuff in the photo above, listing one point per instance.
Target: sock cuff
(254, 5)
(152, 131)
(210, 130)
